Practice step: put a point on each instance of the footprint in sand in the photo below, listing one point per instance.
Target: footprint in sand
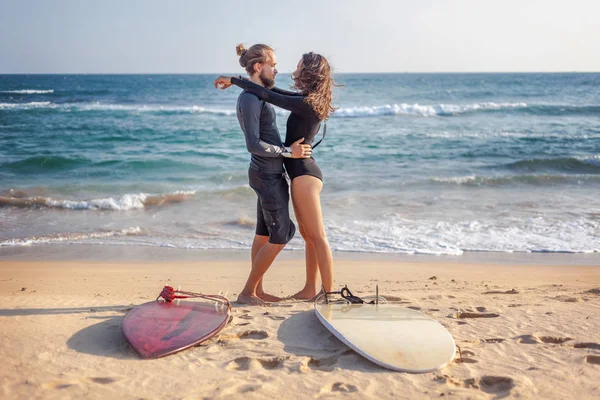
(249, 334)
(253, 334)
(414, 308)
(462, 315)
(63, 384)
(498, 385)
(103, 380)
(512, 291)
(245, 316)
(274, 317)
(481, 309)
(592, 360)
(58, 385)
(315, 363)
(493, 340)
(343, 388)
(569, 299)
(532, 339)
(250, 364)
(393, 298)
(554, 339)
(465, 357)
(527, 339)
(589, 345)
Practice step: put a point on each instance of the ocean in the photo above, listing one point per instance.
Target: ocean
(437, 164)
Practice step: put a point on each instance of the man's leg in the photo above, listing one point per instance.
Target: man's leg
(272, 218)
(264, 258)
(257, 245)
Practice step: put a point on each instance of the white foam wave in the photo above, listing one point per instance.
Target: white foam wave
(69, 237)
(529, 235)
(116, 107)
(25, 106)
(28, 91)
(461, 180)
(590, 160)
(422, 110)
(350, 112)
(123, 203)
(391, 235)
(147, 108)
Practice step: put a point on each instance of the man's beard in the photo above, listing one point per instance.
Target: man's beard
(268, 82)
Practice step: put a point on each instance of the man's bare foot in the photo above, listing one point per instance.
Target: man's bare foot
(305, 294)
(251, 300)
(268, 297)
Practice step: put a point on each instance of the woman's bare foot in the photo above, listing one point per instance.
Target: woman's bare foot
(268, 297)
(305, 294)
(251, 299)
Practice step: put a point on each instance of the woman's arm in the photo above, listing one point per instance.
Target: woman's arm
(285, 92)
(293, 103)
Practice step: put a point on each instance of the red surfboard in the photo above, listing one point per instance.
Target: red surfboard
(160, 328)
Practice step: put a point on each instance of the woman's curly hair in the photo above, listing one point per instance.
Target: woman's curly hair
(313, 79)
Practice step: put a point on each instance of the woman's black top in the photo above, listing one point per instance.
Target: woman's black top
(303, 122)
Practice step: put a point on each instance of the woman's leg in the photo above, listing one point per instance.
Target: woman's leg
(306, 191)
(310, 288)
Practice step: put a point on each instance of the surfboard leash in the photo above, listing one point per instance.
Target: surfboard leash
(346, 295)
(169, 294)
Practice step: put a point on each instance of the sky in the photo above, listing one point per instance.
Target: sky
(197, 36)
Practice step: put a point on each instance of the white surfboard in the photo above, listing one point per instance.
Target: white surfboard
(394, 337)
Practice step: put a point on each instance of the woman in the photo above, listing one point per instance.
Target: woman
(309, 106)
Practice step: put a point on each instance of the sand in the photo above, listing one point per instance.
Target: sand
(527, 327)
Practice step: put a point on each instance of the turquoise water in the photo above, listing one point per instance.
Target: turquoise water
(413, 163)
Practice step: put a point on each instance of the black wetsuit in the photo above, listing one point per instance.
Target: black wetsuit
(266, 175)
(303, 122)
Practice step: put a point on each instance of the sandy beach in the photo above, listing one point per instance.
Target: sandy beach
(527, 326)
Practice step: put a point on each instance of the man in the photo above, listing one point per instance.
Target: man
(274, 228)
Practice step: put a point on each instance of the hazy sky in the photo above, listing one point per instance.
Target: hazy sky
(173, 36)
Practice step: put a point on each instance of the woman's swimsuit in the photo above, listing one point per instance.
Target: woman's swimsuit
(303, 122)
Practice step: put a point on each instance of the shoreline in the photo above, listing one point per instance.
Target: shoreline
(125, 253)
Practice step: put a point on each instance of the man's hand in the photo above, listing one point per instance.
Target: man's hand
(301, 150)
(223, 82)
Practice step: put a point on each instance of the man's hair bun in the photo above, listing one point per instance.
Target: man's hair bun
(240, 50)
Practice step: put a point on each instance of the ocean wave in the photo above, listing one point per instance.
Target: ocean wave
(27, 106)
(577, 165)
(28, 91)
(422, 110)
(562, 110)
(402, 109)
(70, 237)
(193, 109)
(534, 180)
(122, 203)
(89, 107)
(434, 237)
(44, 163)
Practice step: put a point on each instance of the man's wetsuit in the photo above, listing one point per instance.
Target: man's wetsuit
(266, 174)
(303, 122)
